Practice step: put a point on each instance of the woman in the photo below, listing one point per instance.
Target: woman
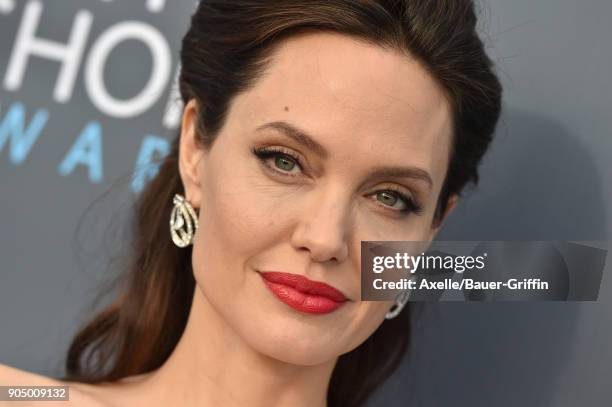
(308, 127)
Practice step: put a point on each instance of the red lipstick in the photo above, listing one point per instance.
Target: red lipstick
(302, 294)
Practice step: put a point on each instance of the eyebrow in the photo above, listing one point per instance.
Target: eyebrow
(301, 137)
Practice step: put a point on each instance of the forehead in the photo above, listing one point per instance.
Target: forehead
(357, 99)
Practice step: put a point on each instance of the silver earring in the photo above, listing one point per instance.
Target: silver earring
(183, 222)
(400, 302)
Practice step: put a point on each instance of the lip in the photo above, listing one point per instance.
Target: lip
(303, 294)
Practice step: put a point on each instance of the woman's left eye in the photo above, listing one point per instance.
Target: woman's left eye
(284, 162)
(390, 197)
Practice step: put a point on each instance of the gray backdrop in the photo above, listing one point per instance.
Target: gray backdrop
(69, 150)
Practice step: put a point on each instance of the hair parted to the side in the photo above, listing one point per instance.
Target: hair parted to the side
(225, 50)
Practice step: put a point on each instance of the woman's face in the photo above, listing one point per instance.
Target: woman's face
(363, 109)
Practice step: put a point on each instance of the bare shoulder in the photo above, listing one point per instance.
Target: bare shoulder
(10, 376)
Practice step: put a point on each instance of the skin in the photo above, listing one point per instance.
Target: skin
(368, 107)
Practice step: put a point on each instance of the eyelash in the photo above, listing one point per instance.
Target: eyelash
(265, 153)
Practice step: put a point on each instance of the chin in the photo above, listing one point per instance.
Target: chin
(303, 349)
(309, 357)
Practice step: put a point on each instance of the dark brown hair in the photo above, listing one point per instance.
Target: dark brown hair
(225, 50)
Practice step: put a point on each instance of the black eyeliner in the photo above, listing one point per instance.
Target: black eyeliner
(264, 153)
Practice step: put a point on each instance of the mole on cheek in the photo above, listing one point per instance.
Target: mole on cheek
(286, 108)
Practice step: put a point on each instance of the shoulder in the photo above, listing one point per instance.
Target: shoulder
(10, 376)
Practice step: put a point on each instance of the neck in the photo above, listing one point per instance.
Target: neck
(212, 365)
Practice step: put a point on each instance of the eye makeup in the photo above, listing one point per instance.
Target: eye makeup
(265, 154)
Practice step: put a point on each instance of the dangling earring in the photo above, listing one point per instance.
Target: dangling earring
(400, 302)
(183, 222)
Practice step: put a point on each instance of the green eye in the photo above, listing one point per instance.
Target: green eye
(387, 198)
(284, 163)
(390, 198)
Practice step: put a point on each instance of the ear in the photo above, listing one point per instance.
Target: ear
(452, 202)
(191, 153)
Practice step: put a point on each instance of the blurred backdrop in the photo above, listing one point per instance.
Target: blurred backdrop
(88, 105)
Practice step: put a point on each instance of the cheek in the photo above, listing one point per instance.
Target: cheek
(222, 231)
(367, 319)
(237, 220)
(242, 204)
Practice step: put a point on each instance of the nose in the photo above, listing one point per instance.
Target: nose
(322, 230)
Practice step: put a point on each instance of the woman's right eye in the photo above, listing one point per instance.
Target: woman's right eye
(283, 163)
